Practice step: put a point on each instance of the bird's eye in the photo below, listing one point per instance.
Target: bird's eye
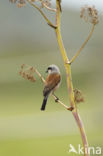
(49, 68)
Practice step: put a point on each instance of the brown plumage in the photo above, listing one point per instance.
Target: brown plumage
(52, 83)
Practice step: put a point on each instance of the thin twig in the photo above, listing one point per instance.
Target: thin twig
(48, 21)
(60, 102)
(78, 52)
(42, 79)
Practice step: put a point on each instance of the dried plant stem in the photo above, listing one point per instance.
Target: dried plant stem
(55, 98)
(48, 21)
(42, 79)
(78, 52)
(69, 79)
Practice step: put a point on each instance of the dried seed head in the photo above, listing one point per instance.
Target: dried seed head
(22, 66)
(89, 14)
(47, 2)
(27, 72)
(20, 3)
(43, 3)
(12, 1)
(78, 96)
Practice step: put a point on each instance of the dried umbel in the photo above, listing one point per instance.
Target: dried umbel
(78, 96)
(45, 3)
(20, 3)
(27, 72)
(89, 14)
(13, 1)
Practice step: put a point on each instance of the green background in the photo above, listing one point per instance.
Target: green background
(26, 38)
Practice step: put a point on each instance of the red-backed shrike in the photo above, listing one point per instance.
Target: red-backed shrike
(52, 83)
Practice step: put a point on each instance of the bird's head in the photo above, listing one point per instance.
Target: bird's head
(52, 69)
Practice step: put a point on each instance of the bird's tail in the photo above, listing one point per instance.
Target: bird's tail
(44, 103)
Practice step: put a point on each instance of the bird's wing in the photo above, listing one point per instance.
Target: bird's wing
(51, 82)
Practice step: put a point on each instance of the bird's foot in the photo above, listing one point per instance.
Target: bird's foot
(56, 100)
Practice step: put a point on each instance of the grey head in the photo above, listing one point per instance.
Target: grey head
(53, 69)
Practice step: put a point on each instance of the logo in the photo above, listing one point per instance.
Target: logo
(80, 150)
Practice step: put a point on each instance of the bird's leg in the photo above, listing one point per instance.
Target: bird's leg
(56, 98)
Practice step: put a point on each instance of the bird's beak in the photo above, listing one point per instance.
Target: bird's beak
(46, 71)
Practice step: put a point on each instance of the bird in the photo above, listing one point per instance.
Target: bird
(52, 82)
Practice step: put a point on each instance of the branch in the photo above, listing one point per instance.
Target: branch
(41, 12)
(69, 79)
(83, 45)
